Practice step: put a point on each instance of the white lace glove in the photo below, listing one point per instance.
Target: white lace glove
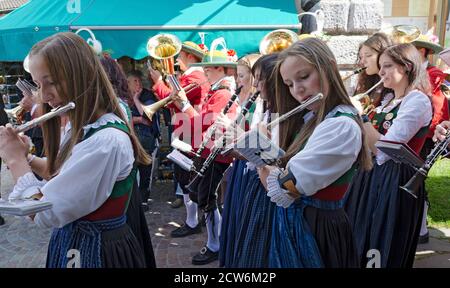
(26, 186)
(277, 195)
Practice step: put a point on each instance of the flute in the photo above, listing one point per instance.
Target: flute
(53, 113)
(297, 109)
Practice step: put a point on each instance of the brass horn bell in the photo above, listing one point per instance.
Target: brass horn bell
(403, 33)
(276, 41)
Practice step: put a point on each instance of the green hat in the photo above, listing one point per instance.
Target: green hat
(423, 41)
(217, 58)
(192, 48)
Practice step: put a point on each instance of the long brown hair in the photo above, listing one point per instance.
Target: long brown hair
(377, 42)
(409, 57)
(293, 133)
(80, 78)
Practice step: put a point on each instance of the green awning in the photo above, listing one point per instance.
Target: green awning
(125, 26)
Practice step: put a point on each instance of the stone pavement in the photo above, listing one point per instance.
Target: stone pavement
(22, 244)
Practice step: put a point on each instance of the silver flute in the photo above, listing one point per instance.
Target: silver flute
(37, 121)
(296, 110)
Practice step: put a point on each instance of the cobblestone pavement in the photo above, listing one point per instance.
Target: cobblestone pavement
(23, 244)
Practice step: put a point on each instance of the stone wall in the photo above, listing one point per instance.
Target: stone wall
(349, 22)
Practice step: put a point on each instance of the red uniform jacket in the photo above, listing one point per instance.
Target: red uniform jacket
(438, 99)
(215, 102)
(196, 96)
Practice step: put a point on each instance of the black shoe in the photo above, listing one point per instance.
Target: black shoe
(205, 256)
(185, 230)
(177, 203)
(423, 239)
(2, 221)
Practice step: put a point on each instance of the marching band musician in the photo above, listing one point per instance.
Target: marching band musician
(215, 64)
(319, 162)
(247, 215)
(442, 128)
(368, 54)
(440, 110)
(383, 216)
(190, 53)
(88, 212)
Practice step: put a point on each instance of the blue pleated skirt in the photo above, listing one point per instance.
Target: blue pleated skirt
(247, 221)
(384, 217)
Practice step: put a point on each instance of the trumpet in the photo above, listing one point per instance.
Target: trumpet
(16, 115)
(151, 109)
(354, 72)
(366, 94)
(439, 149)
(37, 121)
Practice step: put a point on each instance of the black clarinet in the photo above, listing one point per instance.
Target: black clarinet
(193, 185)
(212, 129)
(439, 149)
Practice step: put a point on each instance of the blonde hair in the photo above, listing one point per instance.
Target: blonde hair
(248, 61)
(80, 78)
(294, 132)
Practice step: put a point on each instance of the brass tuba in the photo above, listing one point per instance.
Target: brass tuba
(276, 41)
(403, 33)
(164, 47)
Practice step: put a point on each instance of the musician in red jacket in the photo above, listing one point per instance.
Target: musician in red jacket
(216, 66)
(194, 81)
(440, 109)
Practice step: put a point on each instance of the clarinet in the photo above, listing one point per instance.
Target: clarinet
(241, 116)
(212, 129)
(193, 185)
(439, 149)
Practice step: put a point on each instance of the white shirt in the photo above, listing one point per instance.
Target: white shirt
(415, 112)
(87, 177)
(331, 150)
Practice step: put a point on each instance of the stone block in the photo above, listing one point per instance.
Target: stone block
(336, 15)
(345, 48)
(365, 17)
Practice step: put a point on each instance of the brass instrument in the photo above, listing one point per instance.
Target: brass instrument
(37, 121)
(164, 47)
(151, 109)
(365, 99)
(16, 115)
(354, 72)
(403, 33)
(277, 41)
(440, 149)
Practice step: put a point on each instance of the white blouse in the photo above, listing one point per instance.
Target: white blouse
(331, 150)
(415, 112)
(87, 177)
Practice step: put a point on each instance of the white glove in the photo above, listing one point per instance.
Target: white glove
(278, 195)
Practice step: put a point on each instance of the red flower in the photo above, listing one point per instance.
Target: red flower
(231, 52)
(203, 47)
